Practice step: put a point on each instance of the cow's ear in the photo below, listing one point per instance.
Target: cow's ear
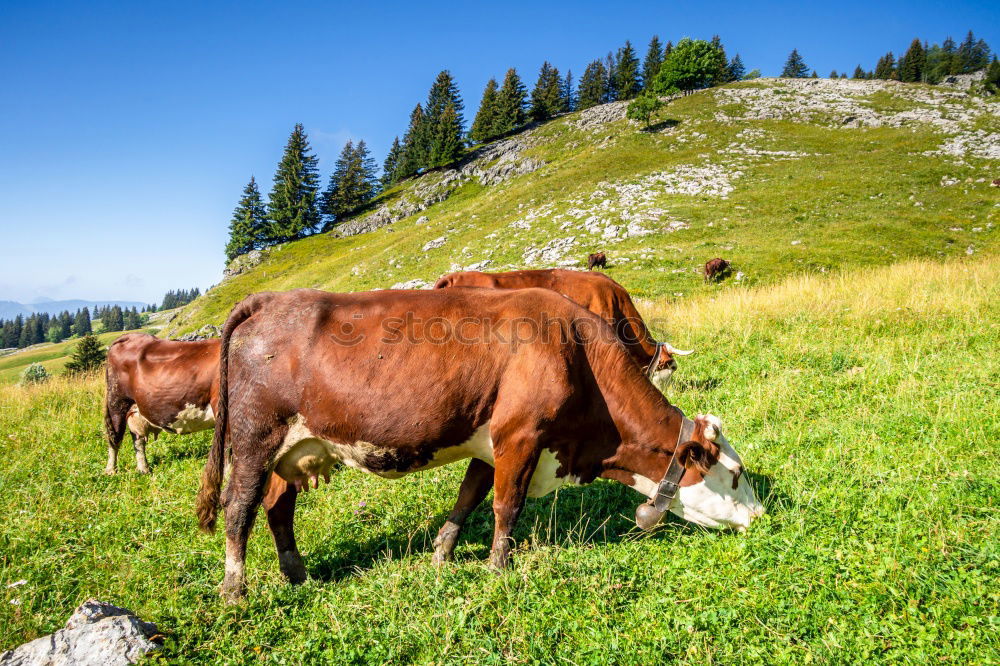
(694, 456)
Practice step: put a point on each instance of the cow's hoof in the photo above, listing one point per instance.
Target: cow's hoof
(231, 594)
(442, 556)
(110, 471)
(143, 470)
(292, 567)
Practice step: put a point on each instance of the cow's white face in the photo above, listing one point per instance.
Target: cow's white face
(724, 498)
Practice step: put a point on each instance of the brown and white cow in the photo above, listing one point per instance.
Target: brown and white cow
(535, 389)
(597, 260)
(599, 294)
(156, 385)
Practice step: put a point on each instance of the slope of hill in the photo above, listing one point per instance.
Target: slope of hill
(781, 176)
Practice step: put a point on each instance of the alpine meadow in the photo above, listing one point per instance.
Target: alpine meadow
(850, 349)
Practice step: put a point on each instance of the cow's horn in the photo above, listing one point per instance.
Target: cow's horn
(676, 351)
(647, 516)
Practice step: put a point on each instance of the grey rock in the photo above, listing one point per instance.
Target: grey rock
(415, 283)
(204, 333)
(244, 262)
(436, 243)
(96, 633)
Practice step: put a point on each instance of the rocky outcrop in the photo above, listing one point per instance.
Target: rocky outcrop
(204, 333)
(96, 633)
(245, 262)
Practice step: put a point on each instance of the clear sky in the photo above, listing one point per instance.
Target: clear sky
(128, 129)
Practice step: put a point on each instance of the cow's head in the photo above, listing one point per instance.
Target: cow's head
(663, 366)
(714, 492)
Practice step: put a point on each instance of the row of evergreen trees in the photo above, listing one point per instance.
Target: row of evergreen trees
(115, 318)
(178, 297)
(919, 64)
(21, 332)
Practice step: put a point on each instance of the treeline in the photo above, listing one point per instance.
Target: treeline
(114, 318)
(21, 332)
(177, 298)
(298, 206)
(920, 63)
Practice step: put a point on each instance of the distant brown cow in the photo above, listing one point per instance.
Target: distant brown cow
(597, 260)
(996, 183)
(599, 294)
(716, 269)
(156, 385)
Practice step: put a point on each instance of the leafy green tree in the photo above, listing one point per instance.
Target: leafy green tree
(485, 122)
(593, 86)
(568, 94)
(390, 167)
(693, 64)
(886, 67)
(626, 76)
(35, 373)
(546, 98)
(248, 228)
(795, 67)
(737, 72)
(643, 107)
(651, 64)
(415, 145)
(444, 128)
(511, 102)
(88, 355)
(752, 74)
(81, 325)
(911, 65)
(293, 204)
(53, 335)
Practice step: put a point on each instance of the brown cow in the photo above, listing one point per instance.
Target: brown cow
(597, 260)
(716, 268)
(156, 385)
(537, 390)
(599, 294)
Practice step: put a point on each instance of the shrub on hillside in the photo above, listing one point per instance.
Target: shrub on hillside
(643, 107)
(34, 374)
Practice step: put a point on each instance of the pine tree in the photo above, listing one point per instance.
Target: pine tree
(972, 55)
(795, 67)
(843, 75)
(484, 124)
(352, 183)
(333, 201)
(834, 75)
(722, 76)
(886, 67)
(626, 77)
(293, 204)
(546, 97)
(814, 75)
(737, 72)
(568, 93)
(668, 48)
(415, 145)
(445, 128)
(651, 65)
(116, 319)
(390, 167)
(248, 227)
(65, 325)
(991, 84)
(88, 355)
(511, 102)
(592, 90)
(81, 325)
(911, 65)
(27, 335)
(859, 73)
(611, 74)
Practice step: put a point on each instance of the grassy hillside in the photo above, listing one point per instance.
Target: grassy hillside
(863, 402)
(781, 176)
(53, 357)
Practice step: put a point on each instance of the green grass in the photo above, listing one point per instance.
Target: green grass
(863, 402)
(857, 197)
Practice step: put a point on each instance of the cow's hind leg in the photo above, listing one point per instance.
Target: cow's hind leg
(280, 506)
(476, 485)
(514, 469)
(139, 444)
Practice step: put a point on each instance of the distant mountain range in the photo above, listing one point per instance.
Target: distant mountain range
(10, 309)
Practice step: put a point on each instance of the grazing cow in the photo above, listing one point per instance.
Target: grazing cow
(996, 182)
(599, 294)
(597, 260)
(716, 269)
(535, 389)
(156, 385)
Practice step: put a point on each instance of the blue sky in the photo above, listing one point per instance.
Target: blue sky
(128, 129)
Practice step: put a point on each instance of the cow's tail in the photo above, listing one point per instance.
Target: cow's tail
(444, 282)
(209, 493)
(116, 406)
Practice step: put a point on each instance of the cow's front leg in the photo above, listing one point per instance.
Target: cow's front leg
(279, 502)
(476, 485)
(512, 477)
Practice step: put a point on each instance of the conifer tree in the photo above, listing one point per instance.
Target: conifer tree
(390, 167)
(27, 335)
(511, 102)
(568, 93)
(911, 65)
(795, 67)
(445, 130)
(88, 356)
(668, 48)
(626, 77)
(886, 67)
(81, 325)
(814, 75)
(485, 122)
(843, 75)
(248, 227)
(833, 74)
(651, 64)
(859, 73)
(737, 72)
(546, 98)
(991, 84)
(116, 320)
(972, 55)
(352, 183)
(611, 74)
(415, 145)
(592, 90)
(293, 204)
(65, 325)
(722, 76)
